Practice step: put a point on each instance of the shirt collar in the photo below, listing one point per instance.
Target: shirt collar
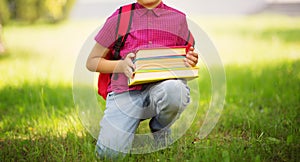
(158, 10)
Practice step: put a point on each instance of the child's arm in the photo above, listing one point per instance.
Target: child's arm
(96, 62)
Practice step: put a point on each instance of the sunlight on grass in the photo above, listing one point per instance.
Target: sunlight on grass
(241, 40)
(260, 122)
(49, 52)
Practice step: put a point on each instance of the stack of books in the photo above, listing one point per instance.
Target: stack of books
(158, 64)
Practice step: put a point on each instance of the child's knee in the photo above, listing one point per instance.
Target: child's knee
(177, 93)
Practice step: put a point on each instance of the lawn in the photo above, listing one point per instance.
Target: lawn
(260, 120)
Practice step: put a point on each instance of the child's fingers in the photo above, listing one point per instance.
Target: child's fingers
(129, 59)
(190, 63)
(128, 71)
(191, 49)
(192, 57)
(130, 67)
(191, 52)
(130, 55)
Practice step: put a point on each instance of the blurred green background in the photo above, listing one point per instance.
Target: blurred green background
(30, 11)
(260, 52)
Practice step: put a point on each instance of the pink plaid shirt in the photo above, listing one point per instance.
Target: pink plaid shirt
(162, 26)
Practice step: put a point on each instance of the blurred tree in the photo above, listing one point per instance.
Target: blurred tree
(4, 18)
(4, 12)
(27, 10)
(1, 44)
(31, 11)
(34, 10)
(56, 10)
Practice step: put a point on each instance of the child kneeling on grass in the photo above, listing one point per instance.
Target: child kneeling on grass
(154, 24)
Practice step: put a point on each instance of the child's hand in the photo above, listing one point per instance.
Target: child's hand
(127, 66)
(191, 57)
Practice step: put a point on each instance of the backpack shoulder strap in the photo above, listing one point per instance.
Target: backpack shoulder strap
(190, 41)
(123, 27)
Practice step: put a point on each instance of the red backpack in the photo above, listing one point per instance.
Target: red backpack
(122, 30)
(123, 26)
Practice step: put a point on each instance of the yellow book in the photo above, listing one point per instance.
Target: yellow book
(161, 52)
(161, 62)
(158, 75)
(158, 64)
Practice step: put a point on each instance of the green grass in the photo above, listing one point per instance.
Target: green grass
(260, 120)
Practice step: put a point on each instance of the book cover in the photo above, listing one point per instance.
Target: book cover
(161, 52)
(142, 77)
(160, 64)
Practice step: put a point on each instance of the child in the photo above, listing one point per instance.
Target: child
(154, 24)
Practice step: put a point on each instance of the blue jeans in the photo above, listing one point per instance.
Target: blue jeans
(161, 102)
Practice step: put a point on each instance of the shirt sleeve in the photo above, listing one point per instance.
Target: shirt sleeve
(107, 34)
(184, 32)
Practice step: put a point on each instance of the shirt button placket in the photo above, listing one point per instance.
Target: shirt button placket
(149, 15)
